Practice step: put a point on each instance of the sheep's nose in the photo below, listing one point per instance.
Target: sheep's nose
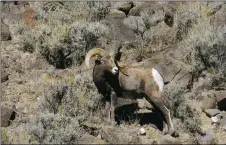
(115, 70)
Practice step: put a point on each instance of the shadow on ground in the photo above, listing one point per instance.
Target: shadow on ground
(129, 115)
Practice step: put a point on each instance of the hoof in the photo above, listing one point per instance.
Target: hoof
(173, 133)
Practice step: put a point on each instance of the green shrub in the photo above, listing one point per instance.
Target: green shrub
(86, 36)
(99, 9)
(54, 128)
(64, 109)
(78, 99)
(63, 33)
(151, 18)
(203, 41)
(209, 55)
(52, 98)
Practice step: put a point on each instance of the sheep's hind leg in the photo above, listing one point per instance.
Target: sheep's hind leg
(158, 102)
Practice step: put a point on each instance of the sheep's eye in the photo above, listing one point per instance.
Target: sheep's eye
(97, 61)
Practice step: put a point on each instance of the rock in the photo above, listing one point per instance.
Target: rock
(118, 30)
(4, 71)
(116, 14)
(5, 33)
(203, 83)
(141, 131)
(89, 139)
(212, 112)
(123, 102)
(215, 119)
(223, 122)
(124, 7)
(167, 139)
(4, 76)
(144, 104)
(135, 23)
(207, 139)
(20, 106)
(175, 73)
(147, 140)
(221, 99)
(117, 135)
(7, 115)
(148, 7)
(208, 103)
(135, 11)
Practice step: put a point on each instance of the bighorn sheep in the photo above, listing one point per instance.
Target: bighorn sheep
(107, 74)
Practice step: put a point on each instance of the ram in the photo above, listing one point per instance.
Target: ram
(108, 76)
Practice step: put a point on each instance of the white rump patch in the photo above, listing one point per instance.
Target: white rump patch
(158, 79)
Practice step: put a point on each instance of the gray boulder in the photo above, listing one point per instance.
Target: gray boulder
(149, 7)
(89, 139)
(116, 14)
(167, 139)
(4, 76)
(221, 99)
(208, 103)
(7, 115)
(223, 122)
(5, 33)
(125, 101)
(119, 136)
(118, 30)
(208, 138)
(124, 6)
(212, 112)
(174, 72)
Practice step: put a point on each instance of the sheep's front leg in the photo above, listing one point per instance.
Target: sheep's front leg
(108, 110)
(113, 104)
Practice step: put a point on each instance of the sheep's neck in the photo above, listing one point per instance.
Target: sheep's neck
(98, 71)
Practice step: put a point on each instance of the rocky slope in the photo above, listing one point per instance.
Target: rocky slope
(48, 94)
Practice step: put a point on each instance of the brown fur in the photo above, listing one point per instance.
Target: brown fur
(128, 79)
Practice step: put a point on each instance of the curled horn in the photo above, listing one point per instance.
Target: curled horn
(93, 52)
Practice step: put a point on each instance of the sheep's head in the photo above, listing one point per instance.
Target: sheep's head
(109, 61)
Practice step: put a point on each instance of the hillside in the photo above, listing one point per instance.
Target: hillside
(48, 95)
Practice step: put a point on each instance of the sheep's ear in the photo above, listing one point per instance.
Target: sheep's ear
(118, 53)
(118, 56)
